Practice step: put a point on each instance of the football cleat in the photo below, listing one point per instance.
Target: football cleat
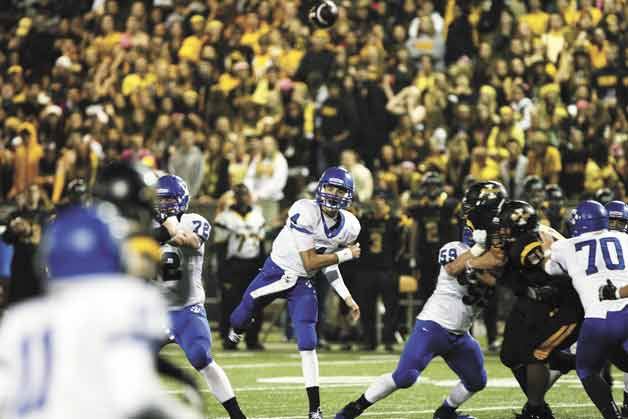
(446, 412)
(350, 411)
(316, 415)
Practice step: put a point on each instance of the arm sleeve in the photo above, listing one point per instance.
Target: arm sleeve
(554, 265)
(334, 277)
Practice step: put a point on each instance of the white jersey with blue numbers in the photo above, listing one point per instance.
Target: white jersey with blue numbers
(307, 219)
(185, 264)
(445, 306)
(590, 259)
(86, 350)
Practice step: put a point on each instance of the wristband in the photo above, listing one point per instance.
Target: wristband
(344, 255)
(477, 250)
(341, 289)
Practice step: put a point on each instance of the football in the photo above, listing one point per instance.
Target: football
(324, 14)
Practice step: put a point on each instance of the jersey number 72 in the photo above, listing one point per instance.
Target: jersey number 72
(605, 245)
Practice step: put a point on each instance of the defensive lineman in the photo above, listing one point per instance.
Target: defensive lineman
(183, 236)
(590, 257)
(442, 328)
(318, 235)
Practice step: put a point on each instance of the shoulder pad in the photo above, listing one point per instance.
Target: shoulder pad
(450, 251)
(303, 216)
(352, 224)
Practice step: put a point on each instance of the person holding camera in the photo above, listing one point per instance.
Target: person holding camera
(23, 232)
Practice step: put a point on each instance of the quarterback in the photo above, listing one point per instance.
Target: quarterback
(318, 235)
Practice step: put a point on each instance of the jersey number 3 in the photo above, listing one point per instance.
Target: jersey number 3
(605, 244)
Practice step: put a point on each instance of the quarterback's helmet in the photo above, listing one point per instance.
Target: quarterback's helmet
(517, 218)
(172, 195)
(324, 14)
(588, 216)
(340, 178)
(617, 215)
(80, 243)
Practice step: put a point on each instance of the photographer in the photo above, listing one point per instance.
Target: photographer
(23, 232)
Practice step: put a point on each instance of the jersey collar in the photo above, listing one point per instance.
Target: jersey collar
(334, 229)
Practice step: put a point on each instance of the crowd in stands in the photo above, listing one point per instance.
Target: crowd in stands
(225, 92)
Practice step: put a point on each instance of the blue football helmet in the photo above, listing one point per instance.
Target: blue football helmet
(340, 178)
(617, 215)
(588, 216)
(80, 243)
(173, 196)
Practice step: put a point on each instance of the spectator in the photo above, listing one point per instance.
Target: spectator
(362, 177)
(78, 160)
(514, 169)
(599, 173)
(334, 133)
(186, 160)
(505, 131)
(483, 167)
(544, 160)
(266, 177)
(26, 158)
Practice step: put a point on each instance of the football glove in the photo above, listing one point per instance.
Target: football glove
(609, 291)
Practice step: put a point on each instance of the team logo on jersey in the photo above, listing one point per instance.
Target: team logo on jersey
(196, 308)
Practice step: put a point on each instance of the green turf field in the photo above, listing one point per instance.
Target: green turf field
(268, 385)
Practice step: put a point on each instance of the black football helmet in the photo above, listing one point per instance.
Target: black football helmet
(78, 192)
(534, 190)
(432, 185)
(125, 186)
(604, 196)
(482, 202)
(517, 218)
(554, 195)
(323, 14)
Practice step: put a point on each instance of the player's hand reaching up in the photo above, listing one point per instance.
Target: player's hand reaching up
(355, 308)
(355, 251)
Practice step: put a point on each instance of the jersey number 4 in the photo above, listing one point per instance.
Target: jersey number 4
(35, 372)
(605, 245)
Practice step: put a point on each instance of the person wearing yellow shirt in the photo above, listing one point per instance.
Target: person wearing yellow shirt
(483, 167)
(191, 48)
(595, 13)
(598, 49)
(544, 160)
(253, 31)
(599, 172)
(140, 79)
(502, 133)
(536, 18)
(110, 38)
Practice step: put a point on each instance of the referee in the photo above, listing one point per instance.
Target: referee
(242, 227)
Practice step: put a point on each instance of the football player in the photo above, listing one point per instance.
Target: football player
(318, 236)
(183, 236)
(534, 191)
(617, 221)
(85, 349)
(590, 257)
(554, 208)
(435, 224)
(442, 328)
(546, 316)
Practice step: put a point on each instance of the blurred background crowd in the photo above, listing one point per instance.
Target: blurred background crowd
(248, 104)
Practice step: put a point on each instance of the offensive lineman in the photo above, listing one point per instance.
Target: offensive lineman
(317, 236)
(442, 328)
(590, 257)
(183, 236)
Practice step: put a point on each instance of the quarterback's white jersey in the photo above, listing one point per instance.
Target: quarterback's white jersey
(86, 350)
(590, 259)
(445, 306)
(306, 219)
(185, 264)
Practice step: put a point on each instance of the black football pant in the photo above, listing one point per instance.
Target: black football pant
(235, 276)
(373, 283)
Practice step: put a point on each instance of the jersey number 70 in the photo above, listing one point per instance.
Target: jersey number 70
(605, 244)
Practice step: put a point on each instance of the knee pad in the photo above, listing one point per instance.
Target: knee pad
(306, 336)
(199, 354)
(477, 383)
(405, 379)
